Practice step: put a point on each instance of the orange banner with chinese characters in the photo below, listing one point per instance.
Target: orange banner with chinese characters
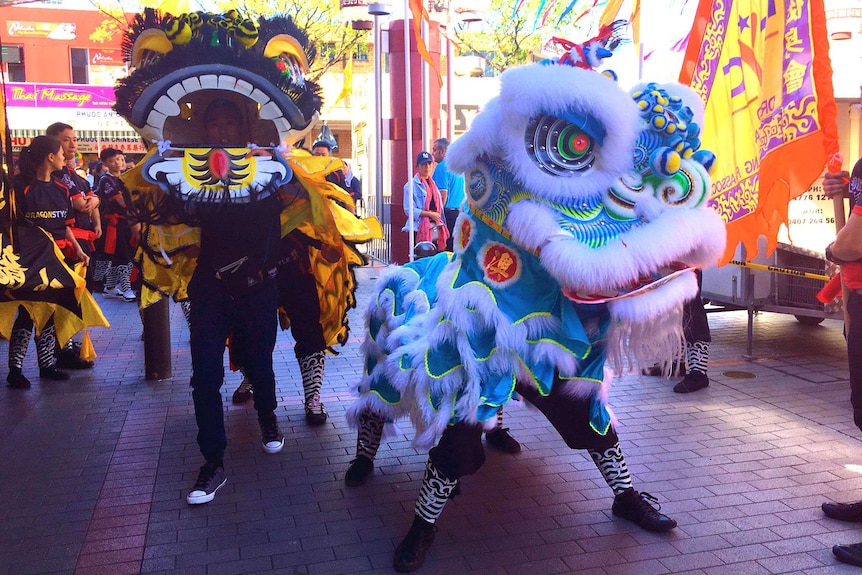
(763, 72)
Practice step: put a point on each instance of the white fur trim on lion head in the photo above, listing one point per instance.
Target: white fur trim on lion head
(502, 129)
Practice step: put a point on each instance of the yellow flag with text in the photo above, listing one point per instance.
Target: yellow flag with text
(763, 72)
(347, 87)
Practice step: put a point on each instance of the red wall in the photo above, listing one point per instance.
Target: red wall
(46, 59)
(398, 124)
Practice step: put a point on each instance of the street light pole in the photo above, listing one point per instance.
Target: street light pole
(450, 108)
(427, 128)
(411, 234)
(378, 10)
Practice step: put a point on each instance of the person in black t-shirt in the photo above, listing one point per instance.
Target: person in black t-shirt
(45, 201)
(232, 292)
(323, 148)
(86, 224)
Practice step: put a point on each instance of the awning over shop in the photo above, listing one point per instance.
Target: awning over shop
(89, 141)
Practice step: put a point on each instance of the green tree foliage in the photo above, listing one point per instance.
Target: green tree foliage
(322, 20)
(113, 24)
(508, 37)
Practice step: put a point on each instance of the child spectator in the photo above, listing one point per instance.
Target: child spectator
(116, 247)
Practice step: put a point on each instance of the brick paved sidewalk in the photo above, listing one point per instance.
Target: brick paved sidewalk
(96, 469)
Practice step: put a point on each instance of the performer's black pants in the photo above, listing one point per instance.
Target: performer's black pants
(854, 353)
(460, 452)
(450, 215)
(297, 294)
(215, 314)
(695, 326)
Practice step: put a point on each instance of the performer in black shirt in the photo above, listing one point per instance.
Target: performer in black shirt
(45, 201)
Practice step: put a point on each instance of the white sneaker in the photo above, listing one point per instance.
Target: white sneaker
(272, 439)
(117, 292)
(130, 295)
(111, 292)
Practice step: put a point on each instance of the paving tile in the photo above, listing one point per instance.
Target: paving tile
(743, 466)
(792, 563)
(743, 553)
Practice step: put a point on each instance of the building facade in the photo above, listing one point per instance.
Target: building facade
(60, 65)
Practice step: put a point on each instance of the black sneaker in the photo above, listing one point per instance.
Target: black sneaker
(360, 469)
(315, 414)
(272, 439)
(17, 380)
(502, 440)
(53, 373)
(410, 553)
(843, 511)
(694, 381)
(244, 392)
(851, 554)
(210, 479)
(637, 508)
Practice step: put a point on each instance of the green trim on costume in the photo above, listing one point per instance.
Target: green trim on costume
(601, 431)
(579, 378)
(562, 346)
(532, 315)
(384, 400)
(401, 364)
(449, 370)
(394, 299)
(541, 388)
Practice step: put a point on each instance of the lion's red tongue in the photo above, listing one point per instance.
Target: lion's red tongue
(219, 164)
(642, 285)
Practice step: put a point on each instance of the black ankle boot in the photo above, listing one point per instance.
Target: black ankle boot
(694, 381)
(502, 440)
(843, 511)
(637, 508)
(360, 469)
(851, 554)
(410, 553)
(16, 379)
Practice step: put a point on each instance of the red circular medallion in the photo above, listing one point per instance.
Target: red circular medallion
(501, 263)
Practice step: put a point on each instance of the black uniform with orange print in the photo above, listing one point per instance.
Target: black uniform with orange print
(47, 205)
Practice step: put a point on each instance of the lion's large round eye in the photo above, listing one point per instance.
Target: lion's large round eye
(558, 146)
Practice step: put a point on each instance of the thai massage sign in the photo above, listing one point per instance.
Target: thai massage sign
(27, 95)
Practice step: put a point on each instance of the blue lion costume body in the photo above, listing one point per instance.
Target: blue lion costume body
(586, 218)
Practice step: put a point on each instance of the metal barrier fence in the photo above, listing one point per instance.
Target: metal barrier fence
(379, 250)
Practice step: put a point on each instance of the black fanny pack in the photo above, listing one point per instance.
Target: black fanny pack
(242, 275)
